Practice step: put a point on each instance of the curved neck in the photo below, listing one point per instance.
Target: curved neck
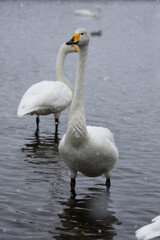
(59, 68)
(77, 122)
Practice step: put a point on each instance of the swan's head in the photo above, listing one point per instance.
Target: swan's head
(80, 38)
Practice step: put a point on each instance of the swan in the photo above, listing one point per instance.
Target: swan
(149, 231)
(86, 12)
(46, 97)
(87, 149)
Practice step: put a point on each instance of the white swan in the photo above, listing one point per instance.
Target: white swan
(149, 231)
(90, 150)
(48, 97)
(86, 12)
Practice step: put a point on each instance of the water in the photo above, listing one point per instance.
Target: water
(122, 93)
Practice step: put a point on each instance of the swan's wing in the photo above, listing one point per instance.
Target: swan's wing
(101, 133)
(45, 97)
(102, 141)
(149, 231)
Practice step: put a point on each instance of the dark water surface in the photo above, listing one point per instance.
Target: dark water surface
(122, 93)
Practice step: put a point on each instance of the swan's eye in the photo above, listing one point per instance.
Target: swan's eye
(81, 33)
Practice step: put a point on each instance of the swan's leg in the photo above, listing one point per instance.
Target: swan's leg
(37, 122)
(108, 183)
(56, 125)
(73, 184)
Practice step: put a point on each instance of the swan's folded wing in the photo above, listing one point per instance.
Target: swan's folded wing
(102, 133)
(54, 96)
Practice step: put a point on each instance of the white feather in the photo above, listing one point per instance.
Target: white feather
(149, 231)
(44, 98)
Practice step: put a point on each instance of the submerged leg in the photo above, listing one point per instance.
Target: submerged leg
(108, 183)
(73, 184)
(37, 122)
(56, 125)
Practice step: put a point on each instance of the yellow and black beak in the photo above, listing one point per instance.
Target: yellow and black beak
(74, 40)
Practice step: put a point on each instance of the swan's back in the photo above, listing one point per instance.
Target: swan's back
(45, 97)
(149, 231)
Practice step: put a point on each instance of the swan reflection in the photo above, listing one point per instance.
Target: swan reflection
(42, 147)
(43, 163)
(90, 217)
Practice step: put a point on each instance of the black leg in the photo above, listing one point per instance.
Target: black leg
(56, 126)
(73, 184)
(37, 122)
(108, 184)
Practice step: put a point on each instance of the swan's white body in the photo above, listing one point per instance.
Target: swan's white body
(85, 13)
(92, 155)
(88, 13)
(87, 149)
(149, 231)
(44, 98)
(48, 97)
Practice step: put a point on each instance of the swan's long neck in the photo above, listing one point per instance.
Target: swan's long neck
(76, 131)
(59, 68)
